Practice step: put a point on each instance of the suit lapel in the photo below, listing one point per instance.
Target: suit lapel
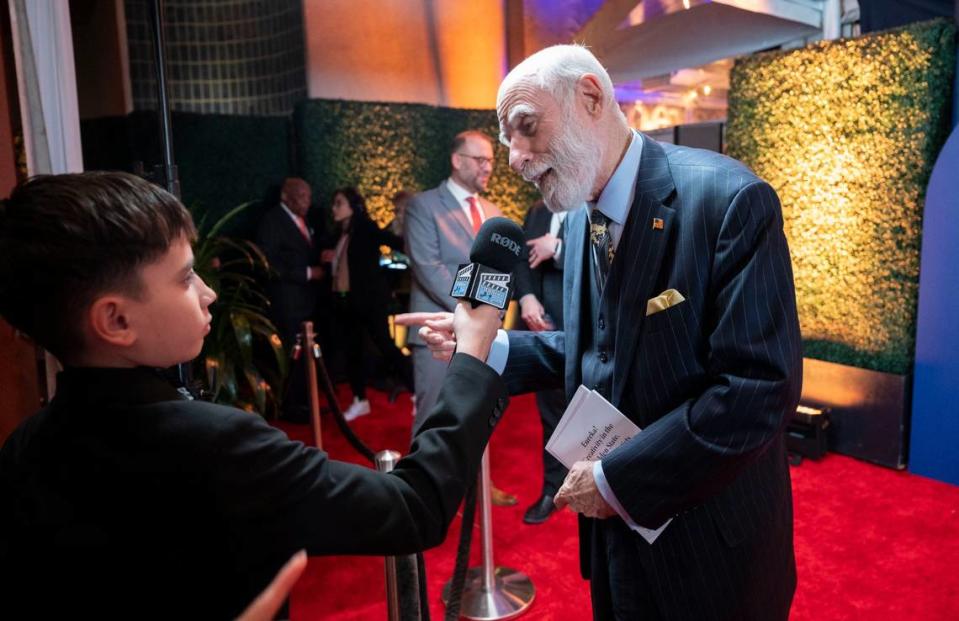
(455, 210)
(575, 260)
(641, 248)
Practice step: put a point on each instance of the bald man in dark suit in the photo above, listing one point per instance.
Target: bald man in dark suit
(680, 311)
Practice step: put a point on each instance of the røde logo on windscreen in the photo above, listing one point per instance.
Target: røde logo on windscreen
(505, 242)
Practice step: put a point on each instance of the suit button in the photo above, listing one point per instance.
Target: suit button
(492, 421)
(602, 323)
(603, 357)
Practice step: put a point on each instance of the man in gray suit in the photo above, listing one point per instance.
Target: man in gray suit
(681, 312)
(439, 229)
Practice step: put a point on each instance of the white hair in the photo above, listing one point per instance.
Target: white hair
(556, 70)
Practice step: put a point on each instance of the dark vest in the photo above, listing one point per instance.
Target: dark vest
(600, 336)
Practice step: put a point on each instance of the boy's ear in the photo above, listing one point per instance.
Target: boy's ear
(109, 322)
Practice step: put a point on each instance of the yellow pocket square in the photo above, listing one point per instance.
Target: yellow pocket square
(664, 300)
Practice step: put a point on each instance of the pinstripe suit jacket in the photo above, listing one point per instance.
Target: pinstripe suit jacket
(711, 381)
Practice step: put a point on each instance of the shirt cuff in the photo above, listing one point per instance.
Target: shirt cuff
(649, 534)
(499, 352)
(309, 272)
(558, 253)
(607, 493)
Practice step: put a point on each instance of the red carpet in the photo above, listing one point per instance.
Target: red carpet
(871, 543)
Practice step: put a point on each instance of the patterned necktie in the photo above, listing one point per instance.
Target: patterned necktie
(602, 245)
(475, 215)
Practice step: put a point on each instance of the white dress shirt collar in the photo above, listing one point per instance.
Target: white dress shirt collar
(617, 197)
(461, 194)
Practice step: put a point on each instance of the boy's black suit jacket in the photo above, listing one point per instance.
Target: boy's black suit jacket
(122, 499)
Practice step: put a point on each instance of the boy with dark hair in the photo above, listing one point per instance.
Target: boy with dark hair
(123, 498)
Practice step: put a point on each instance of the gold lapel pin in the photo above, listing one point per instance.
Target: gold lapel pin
(657, 224)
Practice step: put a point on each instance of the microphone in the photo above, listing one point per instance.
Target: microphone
(487, 278)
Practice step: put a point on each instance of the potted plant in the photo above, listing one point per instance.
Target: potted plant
(243, 359)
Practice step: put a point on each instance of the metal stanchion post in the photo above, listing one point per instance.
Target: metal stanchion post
(402, 579)
(492, 592)
(313, 354)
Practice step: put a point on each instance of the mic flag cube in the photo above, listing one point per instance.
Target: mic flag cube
(482, 284)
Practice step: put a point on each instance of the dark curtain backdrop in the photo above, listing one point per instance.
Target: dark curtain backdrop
(223, 160)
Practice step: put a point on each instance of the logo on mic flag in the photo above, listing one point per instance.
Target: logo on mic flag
(461, 285)
(493, 289)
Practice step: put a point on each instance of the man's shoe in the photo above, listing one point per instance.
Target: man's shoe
(359, 407)
(540, 510)
(500, 498)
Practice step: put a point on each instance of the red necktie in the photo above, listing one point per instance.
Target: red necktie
(301, 224)
(475, 214)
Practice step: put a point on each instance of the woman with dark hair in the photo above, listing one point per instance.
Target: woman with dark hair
(361, 294)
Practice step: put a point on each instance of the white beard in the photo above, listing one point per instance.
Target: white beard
(575, 159)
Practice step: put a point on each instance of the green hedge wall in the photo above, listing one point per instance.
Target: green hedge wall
(222, 160)
(385, 147)
(847, 132)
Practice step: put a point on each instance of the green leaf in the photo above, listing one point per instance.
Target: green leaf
(227, 217)
(279, 352)
(244, 337)
(254, 381)
(228, 383)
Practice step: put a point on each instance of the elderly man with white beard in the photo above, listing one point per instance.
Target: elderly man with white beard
(681, 313)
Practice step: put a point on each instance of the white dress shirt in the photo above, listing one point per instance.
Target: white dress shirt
(461, 194)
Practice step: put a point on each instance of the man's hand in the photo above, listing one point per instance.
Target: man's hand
(317, 272)
(469, 330)
(580, 494)
(437, 331)
(269, 601)
(327, 256)
(541, 249)
(533, 313)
